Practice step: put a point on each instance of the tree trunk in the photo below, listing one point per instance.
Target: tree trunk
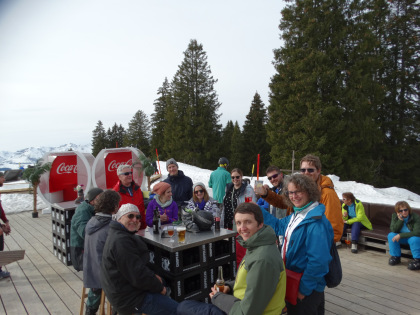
(35, 192)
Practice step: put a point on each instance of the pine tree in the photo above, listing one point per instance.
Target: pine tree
(255, 136)
(115, 136)
(138, 132)
(226, 140)
(99, 138)
(195, 104)
(236, 157)
(158, 121)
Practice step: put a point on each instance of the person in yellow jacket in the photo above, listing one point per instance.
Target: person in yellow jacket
(354, 217)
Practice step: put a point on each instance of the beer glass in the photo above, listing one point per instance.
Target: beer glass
(171, 231)
(181, 234)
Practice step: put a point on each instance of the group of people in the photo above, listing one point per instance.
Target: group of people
(291, 226)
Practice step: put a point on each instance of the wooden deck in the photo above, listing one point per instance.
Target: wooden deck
(41, 284)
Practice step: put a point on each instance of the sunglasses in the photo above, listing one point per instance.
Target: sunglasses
(127, 173)
(405, 210)
(198, 191)
(132, 215)
(273, 176)
(237, 177)
(309, 170)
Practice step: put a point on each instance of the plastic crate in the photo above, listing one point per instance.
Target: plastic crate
(221, 250)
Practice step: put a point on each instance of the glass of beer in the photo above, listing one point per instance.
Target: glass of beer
(171, 232)
(181, 234)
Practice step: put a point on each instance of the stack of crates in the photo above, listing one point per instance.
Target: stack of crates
(61, 222)
(192, 272)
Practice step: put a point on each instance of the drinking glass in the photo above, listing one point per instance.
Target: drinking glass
(181, 234)
(171, 232)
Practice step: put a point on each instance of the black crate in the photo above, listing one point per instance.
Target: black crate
(229, 270)
(62, 216)
(63, 256)
(220, 250)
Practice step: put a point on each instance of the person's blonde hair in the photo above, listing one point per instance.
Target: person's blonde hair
(206, 194)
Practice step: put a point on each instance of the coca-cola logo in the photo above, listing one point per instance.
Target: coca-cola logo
(66, 169)
(113, 165)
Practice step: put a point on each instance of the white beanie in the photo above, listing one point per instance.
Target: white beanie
(124, 209)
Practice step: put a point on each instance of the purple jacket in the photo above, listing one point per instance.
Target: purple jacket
(171, 212)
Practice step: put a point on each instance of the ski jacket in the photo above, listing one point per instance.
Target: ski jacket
(95, 236)
(260, 284)
(125, 277)
(360, 215)
(136, 199)
(413, 224)
(171, 212)
(211, 205)
(309, 246)
(218, 181)
(82, 215)
(181, 187)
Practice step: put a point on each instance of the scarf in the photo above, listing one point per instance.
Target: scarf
(163, 205)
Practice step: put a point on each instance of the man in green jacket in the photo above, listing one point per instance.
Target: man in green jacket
(219, 179)
(260, 284)
(78, 224)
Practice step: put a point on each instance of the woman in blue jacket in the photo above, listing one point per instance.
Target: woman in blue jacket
(308, 236)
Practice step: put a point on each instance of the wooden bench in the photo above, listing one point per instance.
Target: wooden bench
(10, 256)
(380, 216)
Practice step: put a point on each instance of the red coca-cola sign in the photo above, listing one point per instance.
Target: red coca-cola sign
(63, 176)
(112, 161)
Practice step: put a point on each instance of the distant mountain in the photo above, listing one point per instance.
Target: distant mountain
(29, 156)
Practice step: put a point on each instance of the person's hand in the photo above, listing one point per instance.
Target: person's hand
(400, 217)
(160, 279)
(345, 221)
(345, 214)
(396, 238)
(300, 296)
(164, 217)
(163, 292)
(262, 191)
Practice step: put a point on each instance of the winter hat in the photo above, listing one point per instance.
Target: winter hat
(121, 167)
(1, 174)
(124, 209)
(199, 184)
(160, 188)
(92, 193)
(171, 161)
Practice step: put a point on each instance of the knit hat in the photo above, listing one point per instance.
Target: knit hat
(199, 184)
(1, 174)
(92, 193)
(171, 161)
(160, 188)
(124, 209)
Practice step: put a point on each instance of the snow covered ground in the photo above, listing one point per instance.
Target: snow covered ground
(13, 203)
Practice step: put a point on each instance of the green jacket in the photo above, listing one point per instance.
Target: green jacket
(360, 215)
(260, 284)
(413, 225)
(218, 180)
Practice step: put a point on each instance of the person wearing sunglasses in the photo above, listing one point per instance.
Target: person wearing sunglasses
(129, 284)
(202, 200)
(163, 201)
(405, 229)
(129, 191)
(235, 195)
(96, 233)
(354, 217)
(275, 176)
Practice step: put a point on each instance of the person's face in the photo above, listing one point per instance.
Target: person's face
(1, 181)
(126, 179)
(199, 192)
(236, 179)
(95, 200)
(172, 169)
(347, 201)
(131, 221)
(298, 197)
(403, 211)
(246, 225)
(310, 170)
(275, 178)
(167, 194)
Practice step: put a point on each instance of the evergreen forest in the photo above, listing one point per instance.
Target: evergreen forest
(346, 88)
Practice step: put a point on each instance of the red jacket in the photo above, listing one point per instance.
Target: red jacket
(135, 199)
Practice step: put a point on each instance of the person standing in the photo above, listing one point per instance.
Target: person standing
(129, 284)
(275, 176)
(96, 233)
(82, 215)
(129, 191)
(4, 229)
(219, 178)
(180, 183)
(354, 217)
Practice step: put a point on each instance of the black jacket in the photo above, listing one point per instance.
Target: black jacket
(125, 278)
(181, 188)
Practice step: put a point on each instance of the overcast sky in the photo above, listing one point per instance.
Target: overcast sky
(65, 64)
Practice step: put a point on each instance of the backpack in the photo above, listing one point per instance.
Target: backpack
(335, 273)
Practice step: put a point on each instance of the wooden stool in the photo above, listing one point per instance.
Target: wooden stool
(101, 306)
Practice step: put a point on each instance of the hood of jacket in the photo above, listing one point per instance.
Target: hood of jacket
(325, 182)
(264, 236)
(123, 190)
(97, 222)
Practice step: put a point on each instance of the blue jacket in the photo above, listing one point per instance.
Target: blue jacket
(309, 246)
(181, 188)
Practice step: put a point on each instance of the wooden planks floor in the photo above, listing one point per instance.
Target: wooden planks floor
(41, 284)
